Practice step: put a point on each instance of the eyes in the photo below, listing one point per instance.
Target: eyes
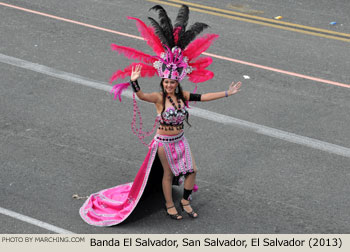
(171, 82)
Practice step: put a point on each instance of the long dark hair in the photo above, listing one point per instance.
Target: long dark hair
(179, 96)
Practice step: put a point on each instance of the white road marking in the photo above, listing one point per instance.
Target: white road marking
(212, 116)
(33, 221)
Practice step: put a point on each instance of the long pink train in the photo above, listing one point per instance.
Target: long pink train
(113, 205)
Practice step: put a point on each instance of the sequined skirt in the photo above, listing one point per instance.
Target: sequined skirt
(177, 151)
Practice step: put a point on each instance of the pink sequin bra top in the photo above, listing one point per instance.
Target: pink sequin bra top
(173, 117)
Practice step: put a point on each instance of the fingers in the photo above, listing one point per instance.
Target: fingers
(136, 68)
(238, 85)
(235, 86)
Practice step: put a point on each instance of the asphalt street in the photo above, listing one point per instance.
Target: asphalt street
(59, 137)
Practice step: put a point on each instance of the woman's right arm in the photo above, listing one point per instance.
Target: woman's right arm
(149, 97)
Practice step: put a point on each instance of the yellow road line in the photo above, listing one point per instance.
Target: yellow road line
(272, 23)
(260, 18)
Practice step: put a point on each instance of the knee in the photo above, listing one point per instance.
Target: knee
(195, 171)
(191, 174)
(168, 176)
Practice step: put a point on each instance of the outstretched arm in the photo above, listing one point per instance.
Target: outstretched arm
(149, 97)
(233, 88)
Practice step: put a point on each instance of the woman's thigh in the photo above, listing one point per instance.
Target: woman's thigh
(164, 162)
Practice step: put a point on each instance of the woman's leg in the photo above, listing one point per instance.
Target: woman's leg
(167, 182)
(188, 185)
(190, 179)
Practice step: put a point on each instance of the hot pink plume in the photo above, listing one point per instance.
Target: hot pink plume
(131, 53)
(195, 89)
(176, 34)
(200, 75)
(195, 48)
(201, 62)
(146, 71)
(148, 34)
(118, 89)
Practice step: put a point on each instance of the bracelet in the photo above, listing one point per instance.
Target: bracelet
(135, 86)
(195, 97)
(226, 94)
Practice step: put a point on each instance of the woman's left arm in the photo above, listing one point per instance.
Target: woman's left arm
(233, 88)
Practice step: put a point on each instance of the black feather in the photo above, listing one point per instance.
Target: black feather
(159, 31)
(190, 34)
(182, 19)
(182, 16)
(166, 24)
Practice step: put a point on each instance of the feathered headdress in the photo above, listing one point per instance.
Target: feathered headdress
(177, 51)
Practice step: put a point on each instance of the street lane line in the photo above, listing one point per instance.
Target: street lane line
(212, 55)
(248, 17)
(71, 21)
(270, 24)
(279, 71)
(34, 222)
(212, 116)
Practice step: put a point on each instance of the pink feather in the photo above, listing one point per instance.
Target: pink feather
(195, 89)
(118, 89)
(132, 53)
(146, 71)
(195, 48)
(200, 75)
(148, 34)
(201, 62)
(176, 34)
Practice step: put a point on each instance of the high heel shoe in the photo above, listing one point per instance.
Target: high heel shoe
(192, 214)
(176, 216)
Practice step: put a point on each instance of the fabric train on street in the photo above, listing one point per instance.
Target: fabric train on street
(113, 205)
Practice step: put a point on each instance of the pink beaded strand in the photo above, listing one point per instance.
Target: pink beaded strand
(138, 131)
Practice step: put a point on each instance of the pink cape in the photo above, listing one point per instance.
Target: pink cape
(113, 205)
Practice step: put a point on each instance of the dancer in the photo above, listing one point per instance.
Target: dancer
(169, 157)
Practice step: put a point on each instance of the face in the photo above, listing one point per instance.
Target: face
(170, 85)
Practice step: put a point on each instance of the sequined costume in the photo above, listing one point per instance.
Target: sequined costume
(177, 56)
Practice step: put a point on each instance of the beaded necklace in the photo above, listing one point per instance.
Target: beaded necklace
(173, 103)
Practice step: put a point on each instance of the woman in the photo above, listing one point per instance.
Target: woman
(178, 55)
(172, 96)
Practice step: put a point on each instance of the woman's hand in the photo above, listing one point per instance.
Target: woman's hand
(135, 72)
(234, 88)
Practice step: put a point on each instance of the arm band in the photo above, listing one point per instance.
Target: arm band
(135, 86)
(195, 97)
